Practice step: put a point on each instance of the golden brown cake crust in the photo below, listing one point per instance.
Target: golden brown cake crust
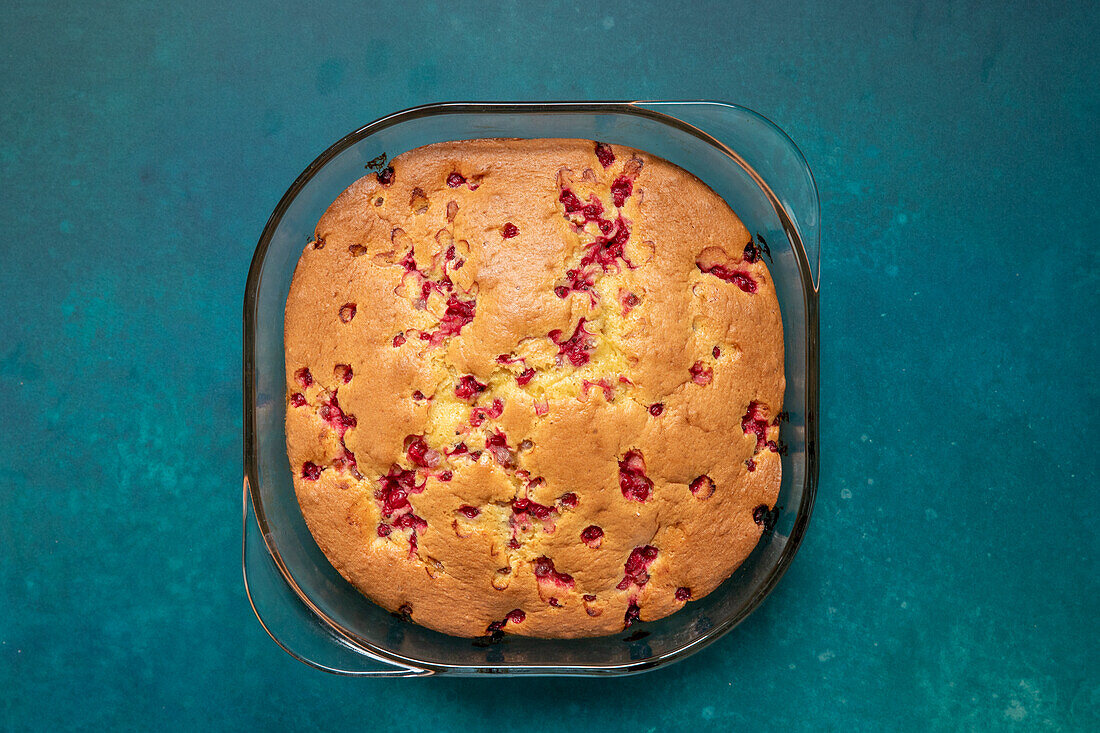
(605, 343)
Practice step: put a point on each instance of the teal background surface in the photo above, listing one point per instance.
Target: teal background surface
(949, 576)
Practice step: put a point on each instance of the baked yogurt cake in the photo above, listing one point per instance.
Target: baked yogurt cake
(533, 387)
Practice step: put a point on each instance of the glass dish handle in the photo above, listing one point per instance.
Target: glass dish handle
(780, 164)
(292, 625)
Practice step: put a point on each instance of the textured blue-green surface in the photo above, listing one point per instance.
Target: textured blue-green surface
(949, 578)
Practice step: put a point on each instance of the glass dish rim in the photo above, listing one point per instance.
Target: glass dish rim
(810, 293)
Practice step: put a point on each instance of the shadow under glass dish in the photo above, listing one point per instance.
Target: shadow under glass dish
(317, 616)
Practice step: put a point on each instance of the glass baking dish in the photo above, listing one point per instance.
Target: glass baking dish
(319, 618)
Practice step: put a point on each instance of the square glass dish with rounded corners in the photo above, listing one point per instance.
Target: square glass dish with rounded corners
(317, 616)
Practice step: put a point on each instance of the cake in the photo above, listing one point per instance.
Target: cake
(533, 387)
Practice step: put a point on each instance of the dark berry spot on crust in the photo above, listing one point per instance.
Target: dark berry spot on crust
(311, 471)
(419, 454)
(480, 414)
(446, 476)
(554, 602)
(398, 340)
(394, 489)
(509, 230)
(755, 422)
(740, 278)
(605, 155)
(525, 376)
(620, 189)
(633, 613)
(545, 572)
(497, 445)
(593, 210)
(633, 481)
(765, 517)
(526, 506)
(603, 384)
(700, 374)
(346, 462)
(577, 348)
(592, 536)
(750, 464)
(683, 594)
(379, 201)
(343, 372)
(347, 312)
(331, 413)
(298, 399)
(579, 280)
(703, 487)
(404, 613)
(410, 521)
(468, 387)
(494, 632)
(384, 530)
(605, 250)
(457, 315)
(469, 511)
(751, 253)
(656, 409)
(455, 180)
(716, 352)
(569, 500)
(303, 377)
(418, 396)
(386, 176)
(636, 566)
(570, 201)
(753, 250)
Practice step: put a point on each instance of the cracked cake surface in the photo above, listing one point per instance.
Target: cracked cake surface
(533, 387)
